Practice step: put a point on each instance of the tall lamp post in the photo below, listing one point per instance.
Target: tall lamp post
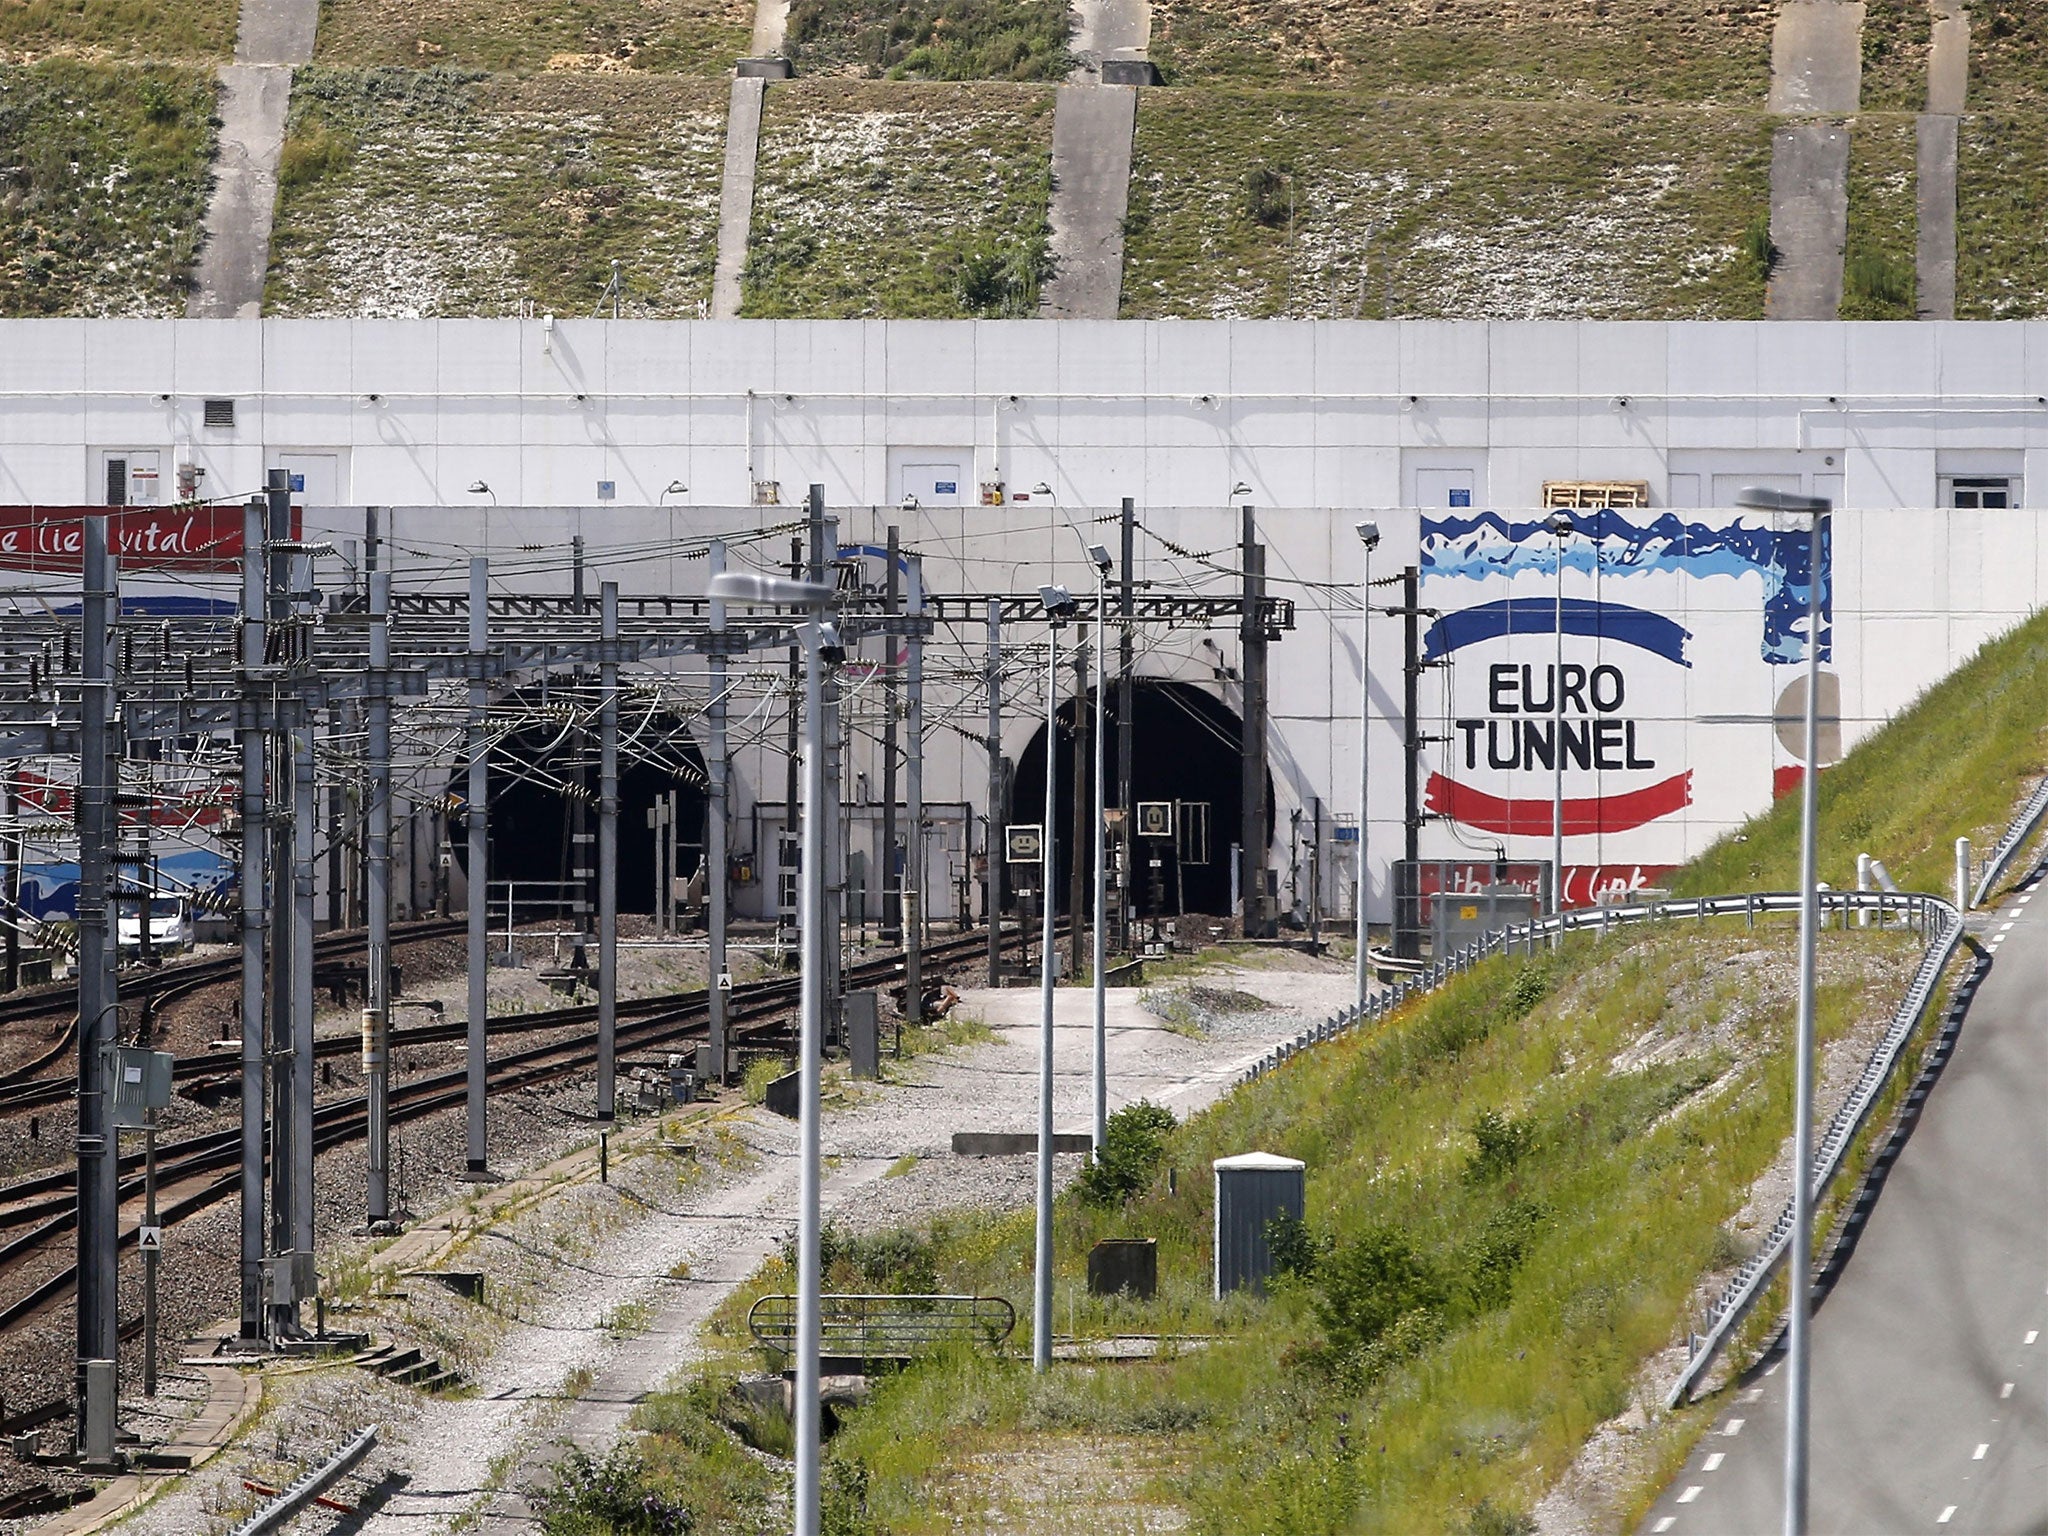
(822, 645)
(1560, 525)
(1799, 1259)
(1098, 554)
(1369, 536)
(1059, 607)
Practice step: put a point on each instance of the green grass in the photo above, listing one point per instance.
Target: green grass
(1682, 51)
(1549, 1263)
(2001, 245)
(1250, 203)
(122, 29)
(696, 37)
(1879, 274)
(444, 192)
(1955, 763)
(2008, 55)
(102, 186)
(1897, 35)
(923, 201)
(931, 39)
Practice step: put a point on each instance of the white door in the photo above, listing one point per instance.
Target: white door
(935, 485)
(1443, 488)
(315, 478)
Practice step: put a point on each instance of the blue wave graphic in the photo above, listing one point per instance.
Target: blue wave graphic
(1639, 627)
(1484, 545)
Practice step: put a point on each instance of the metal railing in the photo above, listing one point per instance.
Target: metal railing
(2016, 837)
(885, 1327)
(1940, 925)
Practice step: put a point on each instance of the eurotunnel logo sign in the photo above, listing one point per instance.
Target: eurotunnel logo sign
(1530, 714)
(1665, 624)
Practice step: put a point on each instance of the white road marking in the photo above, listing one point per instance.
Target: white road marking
(1691, 1493)
(1946, 1515)
(1980, 1452)
(2032, 1334)
(2005, 930)
(2006, 1390)
(1713, 1462)
(1772, 1369)
(1753, 1393)
(1734, 1426)
(1666, 1523)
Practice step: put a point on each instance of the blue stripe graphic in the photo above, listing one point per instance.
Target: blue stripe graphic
(1639, 627)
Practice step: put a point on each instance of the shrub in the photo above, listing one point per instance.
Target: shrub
(1269, 195)
(1501, 1142)
(609, 1497)
(1758, 253)
(1000, 278)
(1368, 1285)
(1489, 1519)
(1875, 281)
(1133, 1147)
(898, 1262)
(1295, 1247)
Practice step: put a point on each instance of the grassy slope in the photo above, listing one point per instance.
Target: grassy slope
(151, 29)
(1623, 1199)
(1403, 207)
(874, 199)
(102, 186)
(1896, 41)
(1681, 51)
(1880, 269)
(439, 192)
(699, 37)
(2001, 244)
(1952, 765)
(931, 39)
(2008, 54)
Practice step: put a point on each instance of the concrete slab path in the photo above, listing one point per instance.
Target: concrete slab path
(1816, 68)
(736, 194)
(1948, 65)
(1934, 257)
(256, 98)
(1092, 131)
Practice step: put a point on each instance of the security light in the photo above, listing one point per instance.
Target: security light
(907, 504)
(1099, 553)
(479, 489)
(1058, 602)
(1041, 489)
(1369, 535)
(1560, 523)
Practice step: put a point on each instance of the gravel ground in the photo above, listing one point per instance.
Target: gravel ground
(198, 1285)
(594, 1293)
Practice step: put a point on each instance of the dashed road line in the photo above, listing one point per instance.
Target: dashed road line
(1946, 1515)
(1714, 1462)
(1692, 1493)
(2006, 1390)
(1980, 1452)
(1665, 1524)
(1734, 1426)
(1754, 1394)
(2032, 1334)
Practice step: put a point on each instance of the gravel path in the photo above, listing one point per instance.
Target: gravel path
(597, 1292)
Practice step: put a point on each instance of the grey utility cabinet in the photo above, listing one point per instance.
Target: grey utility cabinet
(1251, 1189)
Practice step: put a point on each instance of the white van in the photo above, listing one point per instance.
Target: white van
(170, 925)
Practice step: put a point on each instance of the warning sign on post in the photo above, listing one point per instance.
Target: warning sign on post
(1024, 843)
(150, 1239)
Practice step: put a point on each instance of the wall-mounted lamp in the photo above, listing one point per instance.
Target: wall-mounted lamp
(1041, 489)
(675, 488)
(479, 488)
(1240, 489)
(907, 504)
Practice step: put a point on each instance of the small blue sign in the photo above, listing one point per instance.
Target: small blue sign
(945, 487)
(1347, 834)
(607, 490)
(298, 482)
(1461, 498)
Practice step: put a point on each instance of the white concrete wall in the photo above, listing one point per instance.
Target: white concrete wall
(1322, 421)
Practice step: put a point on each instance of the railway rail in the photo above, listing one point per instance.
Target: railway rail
(197, 1171)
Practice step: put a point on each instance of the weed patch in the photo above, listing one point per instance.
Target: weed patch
(697, 37)
(922, 201)
(102, 186)
(1251, 203)
(2001, 247)
(931, 39)
(119, 29)
(1878, 276)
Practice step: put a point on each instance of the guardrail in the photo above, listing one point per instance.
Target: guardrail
(2023, 827)
(308, 1487)
(885, 1326)
(1939, 923)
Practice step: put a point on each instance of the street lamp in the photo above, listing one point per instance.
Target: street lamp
(1560, 523)
(479, 488)
(675, 488)
(1098, 555)
(1799, 1260)
(1059, 607)
(1369, 537)
(757, 588)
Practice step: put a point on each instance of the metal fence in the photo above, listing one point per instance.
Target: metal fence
(1937, 921)
(885, 1326)
(2016, 837)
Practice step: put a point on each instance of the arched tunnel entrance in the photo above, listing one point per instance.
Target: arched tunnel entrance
(1186, 751)
(543, 823)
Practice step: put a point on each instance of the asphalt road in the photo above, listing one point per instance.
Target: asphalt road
(1930, 1356)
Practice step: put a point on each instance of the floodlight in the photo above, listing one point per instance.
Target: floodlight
(1369, 535)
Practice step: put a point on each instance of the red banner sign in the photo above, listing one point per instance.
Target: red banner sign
(179, 538)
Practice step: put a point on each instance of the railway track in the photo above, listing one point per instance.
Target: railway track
(160, 988)
(198, 1171)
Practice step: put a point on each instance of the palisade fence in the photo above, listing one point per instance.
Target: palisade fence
(1937, 921)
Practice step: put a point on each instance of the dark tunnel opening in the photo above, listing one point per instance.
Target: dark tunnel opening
(1186, 751)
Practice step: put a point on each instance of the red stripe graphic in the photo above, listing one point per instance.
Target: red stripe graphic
(1605, 813)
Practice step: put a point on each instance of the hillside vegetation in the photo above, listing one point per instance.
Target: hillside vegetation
(103, 173)
(118, 29)
(522, 36)
(1955, 763)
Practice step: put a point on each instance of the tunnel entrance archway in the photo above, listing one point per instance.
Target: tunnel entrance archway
(537, 776)
(1186, 748)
